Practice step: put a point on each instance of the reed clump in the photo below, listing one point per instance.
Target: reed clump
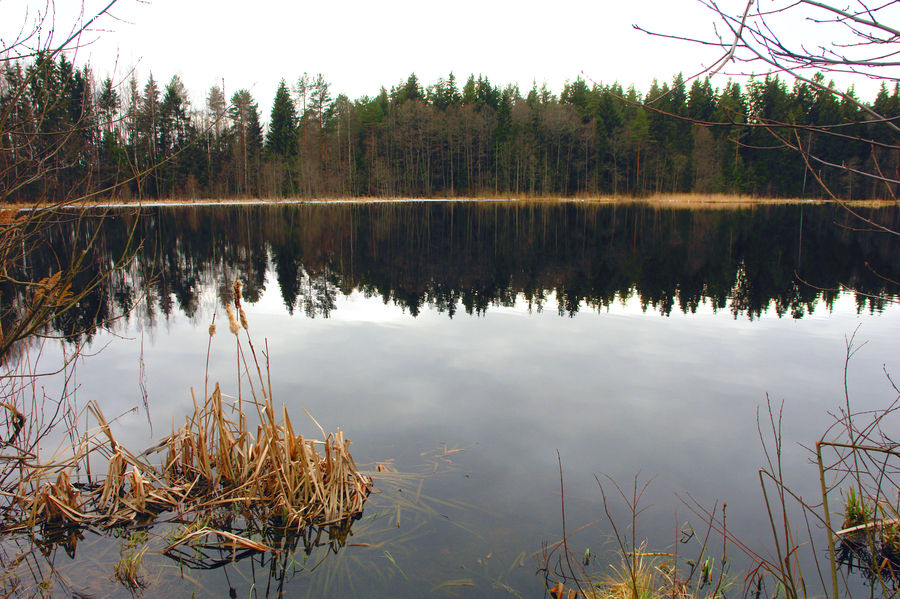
(214, 461)
(869, 539)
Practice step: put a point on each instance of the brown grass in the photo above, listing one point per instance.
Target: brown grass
(671, 200)
(210, 461)
(213, 461)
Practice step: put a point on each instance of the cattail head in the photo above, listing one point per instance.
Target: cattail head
(233, 325)
(243, 316)
(212, 330)
(236, 292)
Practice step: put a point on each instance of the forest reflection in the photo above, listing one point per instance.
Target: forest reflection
(566, 257)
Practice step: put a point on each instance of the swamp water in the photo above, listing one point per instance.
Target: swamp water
(460, 346)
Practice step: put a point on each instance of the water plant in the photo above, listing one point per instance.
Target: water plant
(856, 511)
(128, 569)
(640, 573)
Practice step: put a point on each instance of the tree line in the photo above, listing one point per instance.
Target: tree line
(63, 133)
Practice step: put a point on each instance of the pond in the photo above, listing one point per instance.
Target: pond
(469, 349)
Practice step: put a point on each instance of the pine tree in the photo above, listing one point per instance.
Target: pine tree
(320, 100)
(176, 133)
(444, 93)
(302, 89)
(108, 104)
(215, 105)
(254, 149)
(409, 91)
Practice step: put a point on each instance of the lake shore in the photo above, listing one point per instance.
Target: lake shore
(681, 200)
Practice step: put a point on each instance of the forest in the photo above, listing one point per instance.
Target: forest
(74, 136)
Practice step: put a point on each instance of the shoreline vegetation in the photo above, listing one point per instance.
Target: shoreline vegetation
(678, 200)
(222, 491)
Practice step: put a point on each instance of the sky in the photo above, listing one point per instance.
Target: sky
(361, 46)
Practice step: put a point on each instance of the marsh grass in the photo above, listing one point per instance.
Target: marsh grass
(697, 200)
(235, 474)
(869, 541)
(638, 573)
(645, 575)
(128, 570)
(858, 463)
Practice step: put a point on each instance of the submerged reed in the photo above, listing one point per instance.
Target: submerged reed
(128, 570)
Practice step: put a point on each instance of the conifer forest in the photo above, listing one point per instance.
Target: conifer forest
(75, 133)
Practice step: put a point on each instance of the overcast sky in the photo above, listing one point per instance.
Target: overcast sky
(362, 45)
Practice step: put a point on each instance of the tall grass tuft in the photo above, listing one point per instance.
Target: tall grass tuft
(213, 461)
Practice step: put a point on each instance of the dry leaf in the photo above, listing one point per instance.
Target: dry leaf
(557, 591)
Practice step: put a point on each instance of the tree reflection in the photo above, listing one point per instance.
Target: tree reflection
(784, 259)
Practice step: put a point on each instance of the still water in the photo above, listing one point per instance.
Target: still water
(473, 348)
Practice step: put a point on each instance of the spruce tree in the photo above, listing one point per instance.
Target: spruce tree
(239, 113)
(281, 139)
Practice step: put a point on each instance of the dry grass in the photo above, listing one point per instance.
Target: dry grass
(212, 462)
(670, 200)
(720, 200)
(642, 576)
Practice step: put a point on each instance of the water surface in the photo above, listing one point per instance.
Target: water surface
(475, 343)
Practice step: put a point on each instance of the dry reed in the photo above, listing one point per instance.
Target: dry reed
(213, 461)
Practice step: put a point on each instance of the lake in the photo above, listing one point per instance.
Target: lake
(471, 348)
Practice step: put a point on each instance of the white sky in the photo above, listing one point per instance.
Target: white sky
(362, 45)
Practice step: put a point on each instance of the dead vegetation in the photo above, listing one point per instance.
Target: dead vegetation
(214, 462)
(669, 200)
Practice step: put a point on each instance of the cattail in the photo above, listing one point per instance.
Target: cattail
(233, 325)
(243, 316)
(236, 292)
(212, 330)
